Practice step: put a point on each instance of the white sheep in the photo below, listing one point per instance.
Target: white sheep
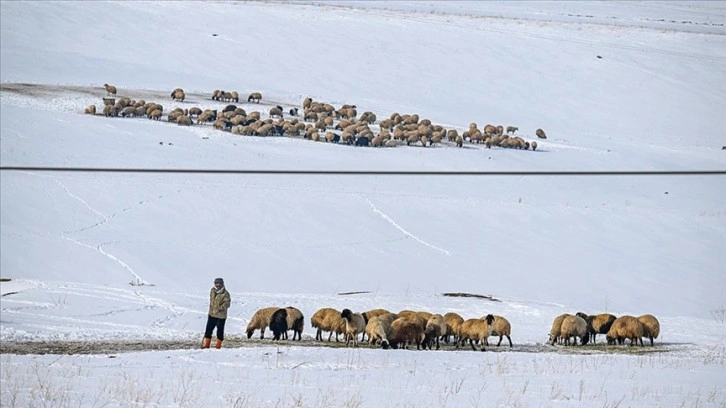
(378, 329)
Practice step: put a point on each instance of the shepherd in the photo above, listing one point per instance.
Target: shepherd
(219, 301)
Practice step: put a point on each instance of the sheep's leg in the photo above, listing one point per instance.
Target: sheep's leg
(471, 341)
(437, 344)
(510, 341)
(262, 333)
(500, 340)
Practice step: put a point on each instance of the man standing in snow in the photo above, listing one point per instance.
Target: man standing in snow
(219, 301)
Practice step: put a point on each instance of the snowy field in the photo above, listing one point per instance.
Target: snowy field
(106, 276)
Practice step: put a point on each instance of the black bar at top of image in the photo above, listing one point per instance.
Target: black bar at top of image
(372, 172)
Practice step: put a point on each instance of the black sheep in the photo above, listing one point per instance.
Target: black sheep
(278, 324)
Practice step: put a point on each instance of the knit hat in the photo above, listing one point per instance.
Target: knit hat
(219, 280)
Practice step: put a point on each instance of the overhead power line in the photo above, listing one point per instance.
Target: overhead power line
(373, 172)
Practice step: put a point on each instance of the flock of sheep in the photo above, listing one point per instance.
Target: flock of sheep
(319, 122)
(425, 329)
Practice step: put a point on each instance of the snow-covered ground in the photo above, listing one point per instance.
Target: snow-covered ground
(89, 258)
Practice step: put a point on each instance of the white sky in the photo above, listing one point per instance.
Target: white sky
(73, 242)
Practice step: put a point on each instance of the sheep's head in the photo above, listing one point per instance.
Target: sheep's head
(490, 319)
(385, 345)
(346, 314)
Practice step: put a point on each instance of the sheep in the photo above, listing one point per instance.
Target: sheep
(278, 323)
(370, 314)
(276, 111)
(651, 327)
(354, 324)
(599, 324)
(327, 319)
(541, 134)
(459, 141)
(625, 327)
(555, 331)
(178, 95)
(234, 96)
(155, 114)
(128, 111)
(512, 129)
(405, 331)
(534, 145)
(378, 329)
(91, 110)
(453, 323)
(435, 328)
(574, 326)
(293, 112)
(260, 320)
(183, 120)
(295, 322)
(501, 328)
(217, 94)
(475, 330)
(254, 96)
(110, 89)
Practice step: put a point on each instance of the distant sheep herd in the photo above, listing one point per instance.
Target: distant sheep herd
(320, 122)
(423, 329)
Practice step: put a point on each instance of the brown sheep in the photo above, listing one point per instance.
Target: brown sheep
(651, 327)
(275, 111)
(91, 110)
(475, 330)
(501, 328)
(534, 145)
(295, 322)
(110, 89)
(435, 328)
(328, 319)
(541, 134)
(183, 120)
(405, 331)
(260, 320)
(155, 114)
(178, 95)
(599, 324)
(453, 323)
(574, 326)
(512, 129)
(254, 96)
(555, 331)
(625, 327)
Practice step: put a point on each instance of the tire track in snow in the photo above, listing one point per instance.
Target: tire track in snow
(400, 228)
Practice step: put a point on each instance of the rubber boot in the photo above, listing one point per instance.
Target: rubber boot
(206, 342)
(218, 344)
